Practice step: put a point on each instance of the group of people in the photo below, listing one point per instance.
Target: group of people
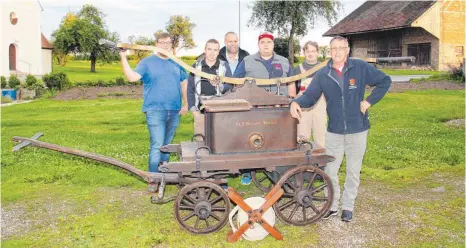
(334, 94)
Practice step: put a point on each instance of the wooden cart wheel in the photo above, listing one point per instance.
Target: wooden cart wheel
(202, 207)
(307, 198)
(264, 180)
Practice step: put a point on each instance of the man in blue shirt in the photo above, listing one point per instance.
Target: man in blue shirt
(164, 84)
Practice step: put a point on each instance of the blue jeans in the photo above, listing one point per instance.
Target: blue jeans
(162, 125)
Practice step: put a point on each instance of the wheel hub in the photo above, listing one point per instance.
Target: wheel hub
(203, 209)
(304, 197)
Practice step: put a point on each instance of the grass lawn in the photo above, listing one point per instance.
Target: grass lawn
(411, 72)
(75, 202)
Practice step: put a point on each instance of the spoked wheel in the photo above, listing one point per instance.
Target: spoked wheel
(307, 196)
(202, 207)
(265, 180)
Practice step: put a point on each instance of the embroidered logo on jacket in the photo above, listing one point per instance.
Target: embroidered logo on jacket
(277, 66)
(352, 84)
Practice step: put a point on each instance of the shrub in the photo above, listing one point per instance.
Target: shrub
(31, 81)
(40, 91)
(47, 94)
(57, 81)
(14, 82)
(457, 73)
(4, 84)
(6, 99)
(120, 81)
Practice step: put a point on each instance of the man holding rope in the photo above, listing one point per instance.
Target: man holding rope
(266, 64)
(164, 82)
(343, 81)
(198, 85)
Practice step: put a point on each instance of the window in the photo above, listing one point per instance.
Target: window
(13, 18)
(389, 46)
(459, 51)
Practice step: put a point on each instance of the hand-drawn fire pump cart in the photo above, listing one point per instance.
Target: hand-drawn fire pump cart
(246, 130)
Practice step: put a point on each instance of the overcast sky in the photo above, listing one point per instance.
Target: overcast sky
(213, 18)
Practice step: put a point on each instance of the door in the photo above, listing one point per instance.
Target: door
(12, 56)
(421, 52)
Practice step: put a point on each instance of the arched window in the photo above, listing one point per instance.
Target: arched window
(12, 57)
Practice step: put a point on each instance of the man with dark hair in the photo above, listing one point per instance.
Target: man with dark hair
(198, 86)
(343, 82)
(231, 52)
(164, 83)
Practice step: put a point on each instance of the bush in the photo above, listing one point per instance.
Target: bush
(6, 99)
(47, 94)
(457, 73)
(281, 47)
(31, 81)
(14, 82)
(4, 84)
(57, 81)
(120, 81)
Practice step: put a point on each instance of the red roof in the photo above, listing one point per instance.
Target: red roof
(45, 43)
(380, 15)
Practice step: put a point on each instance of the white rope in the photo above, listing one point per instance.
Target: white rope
(257, 232)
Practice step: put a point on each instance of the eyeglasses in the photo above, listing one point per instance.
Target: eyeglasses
(165, 42)
(338, 48)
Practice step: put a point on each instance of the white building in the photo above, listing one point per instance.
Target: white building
(23, 48)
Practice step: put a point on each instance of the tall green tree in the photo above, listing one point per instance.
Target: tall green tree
(81, 32)
(181, 30)
(292, 18)
(92, 28)
(281, 47)
(64, 40)
(324, 50)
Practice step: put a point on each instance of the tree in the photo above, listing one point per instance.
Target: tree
(64, 40)
(92, 28)
(141, 40)
(181, 30)
(81, 33)
(281, 47)
(323, 50)
(292, 18)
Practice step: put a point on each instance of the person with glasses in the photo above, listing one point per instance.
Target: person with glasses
(165, 84)
(343, 82)
(266, 64)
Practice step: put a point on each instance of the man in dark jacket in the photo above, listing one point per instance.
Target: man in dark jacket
(198, 86)
(343, 83)
(231, 52)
